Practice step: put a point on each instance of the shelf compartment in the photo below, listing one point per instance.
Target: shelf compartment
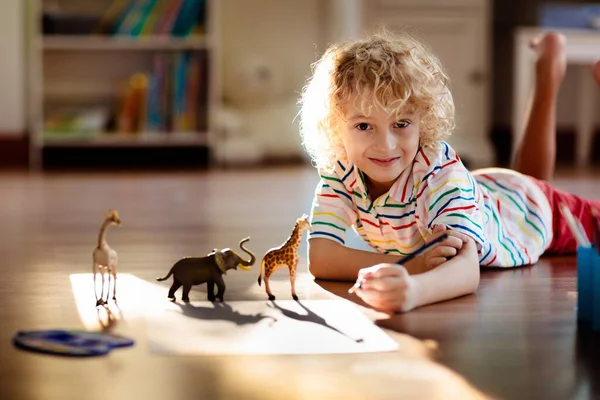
(154, 139)
(112, 43)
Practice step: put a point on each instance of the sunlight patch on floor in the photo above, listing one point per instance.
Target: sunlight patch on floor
(135, 297)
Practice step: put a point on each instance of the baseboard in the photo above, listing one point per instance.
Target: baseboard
(14, 153)
(124, 159)
(14, 150)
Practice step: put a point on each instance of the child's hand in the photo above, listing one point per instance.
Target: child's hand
(447, 249)
(387, 287)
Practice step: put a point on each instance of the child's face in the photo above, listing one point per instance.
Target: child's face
(380, 145)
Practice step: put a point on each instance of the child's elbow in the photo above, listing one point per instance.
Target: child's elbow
(316, 266)
(317, 258)
(315, 270)
(472, 260)
(475, 279)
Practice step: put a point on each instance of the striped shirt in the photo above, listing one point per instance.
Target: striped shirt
(505, 212)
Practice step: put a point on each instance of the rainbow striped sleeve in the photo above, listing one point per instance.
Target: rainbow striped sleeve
(447, 194)
(332, 209)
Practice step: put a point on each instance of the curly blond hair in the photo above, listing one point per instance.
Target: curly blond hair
(395, 73)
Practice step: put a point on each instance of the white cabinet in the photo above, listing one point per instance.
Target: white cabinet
(151, 81)
(12, 76)
(458, 35)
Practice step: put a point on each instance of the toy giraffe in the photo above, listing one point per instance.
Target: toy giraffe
(105, 258)
(286, 254)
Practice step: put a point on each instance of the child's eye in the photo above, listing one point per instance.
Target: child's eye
(363, 126)
(402, 124)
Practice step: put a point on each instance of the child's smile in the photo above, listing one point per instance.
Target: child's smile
(384, 162)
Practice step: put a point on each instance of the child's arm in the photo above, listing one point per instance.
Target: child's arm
(331, 260)
(389, 288)
(456, 277)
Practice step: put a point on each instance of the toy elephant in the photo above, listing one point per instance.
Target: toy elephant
(209, 269)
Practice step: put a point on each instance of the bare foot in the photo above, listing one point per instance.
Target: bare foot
(551, 64)
(596, 71)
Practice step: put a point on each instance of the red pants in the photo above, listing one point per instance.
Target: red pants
(563, 241)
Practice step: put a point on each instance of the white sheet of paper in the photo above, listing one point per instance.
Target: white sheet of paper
(263, 327)
(235, 327)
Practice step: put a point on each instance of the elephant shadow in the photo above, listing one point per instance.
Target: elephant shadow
(310, 316)
(223, 312)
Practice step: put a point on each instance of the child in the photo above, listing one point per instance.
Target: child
(374, 118)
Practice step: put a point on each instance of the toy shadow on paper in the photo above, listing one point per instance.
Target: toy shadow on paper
(223, 312)
(310, 316)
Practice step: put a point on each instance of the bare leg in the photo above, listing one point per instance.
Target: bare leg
(536, 154)
(596, 72)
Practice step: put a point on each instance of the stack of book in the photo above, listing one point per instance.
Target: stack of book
(171, 98)
(153, 17)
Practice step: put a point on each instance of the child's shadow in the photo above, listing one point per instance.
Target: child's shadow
(224, 312)
(310, 316)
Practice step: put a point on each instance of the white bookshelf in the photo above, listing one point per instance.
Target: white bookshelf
(81, 70)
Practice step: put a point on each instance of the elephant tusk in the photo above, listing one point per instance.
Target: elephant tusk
(242, 266)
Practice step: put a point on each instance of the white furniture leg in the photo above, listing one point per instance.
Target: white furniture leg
(522, 86)
(585, 117)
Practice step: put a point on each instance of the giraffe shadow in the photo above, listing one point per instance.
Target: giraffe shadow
(310, 316)
(108, 318)
(222, 312)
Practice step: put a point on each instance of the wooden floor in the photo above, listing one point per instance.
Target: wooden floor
(517, 338)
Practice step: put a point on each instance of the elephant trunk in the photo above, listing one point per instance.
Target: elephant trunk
(242, 262)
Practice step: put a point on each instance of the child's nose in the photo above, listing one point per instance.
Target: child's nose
(386, 140)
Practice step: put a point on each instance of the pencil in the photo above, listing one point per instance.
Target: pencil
(575, 226)
(409, 257)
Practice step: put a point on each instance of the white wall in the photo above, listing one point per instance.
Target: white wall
(282, 37)
(12, 67)
(283, 31)
(344, 19)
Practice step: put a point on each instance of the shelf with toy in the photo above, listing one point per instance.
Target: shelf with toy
(163, 101)
(112, 43)
(133, 18)
(145, 139)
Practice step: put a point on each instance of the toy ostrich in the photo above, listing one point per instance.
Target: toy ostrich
(105, 258)
(284, 255)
